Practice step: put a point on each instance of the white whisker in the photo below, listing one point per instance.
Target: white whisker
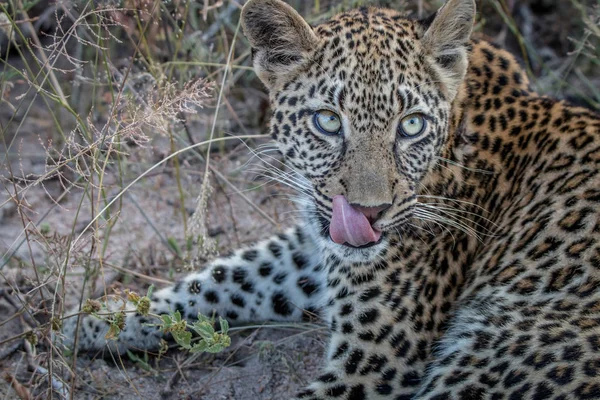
(481, 171)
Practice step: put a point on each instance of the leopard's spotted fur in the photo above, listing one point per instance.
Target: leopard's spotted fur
(486, 283)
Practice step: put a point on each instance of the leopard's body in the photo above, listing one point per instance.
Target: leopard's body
(486, 282)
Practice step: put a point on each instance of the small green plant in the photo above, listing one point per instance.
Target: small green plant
(116, 322)
(209, 341)
(142, 303)
(143, 361)
(174, 246)
(45, 228)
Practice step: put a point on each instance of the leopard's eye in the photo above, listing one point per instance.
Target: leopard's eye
(328, 122)
(412, 125)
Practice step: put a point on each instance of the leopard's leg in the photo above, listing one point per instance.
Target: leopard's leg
(276, 279)
(371, 360)
(383, 327)
(502, 346)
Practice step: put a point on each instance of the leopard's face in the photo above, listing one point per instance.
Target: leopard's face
(363, 112)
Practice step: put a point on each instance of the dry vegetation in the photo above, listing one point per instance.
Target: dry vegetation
(125, 129)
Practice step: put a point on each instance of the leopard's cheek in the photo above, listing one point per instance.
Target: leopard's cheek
(414, 160)
(305, 152)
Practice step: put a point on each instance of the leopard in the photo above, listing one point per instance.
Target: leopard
(450, 226)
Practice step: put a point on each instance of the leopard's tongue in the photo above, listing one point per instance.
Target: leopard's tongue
(349, 225)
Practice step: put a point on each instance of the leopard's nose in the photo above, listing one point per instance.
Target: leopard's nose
(372, 213)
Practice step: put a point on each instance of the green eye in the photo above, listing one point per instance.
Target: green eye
(328, 122)
(412, 125)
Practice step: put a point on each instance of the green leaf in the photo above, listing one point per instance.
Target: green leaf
(215, 348)
(205, 330)
(199, 347)
(149, 292)
(177, 316)
(172, 242)
(183, 339)
(167, 320)
(203, 318)
(224, 326)
(142, 362)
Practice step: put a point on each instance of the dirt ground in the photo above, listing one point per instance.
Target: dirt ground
(264, 362)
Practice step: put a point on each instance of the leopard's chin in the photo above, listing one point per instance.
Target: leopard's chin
(363, 254)
(364, 246)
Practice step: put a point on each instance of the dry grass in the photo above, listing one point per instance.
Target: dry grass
(123, 129)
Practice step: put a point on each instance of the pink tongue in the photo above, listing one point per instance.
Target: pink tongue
(348, 225)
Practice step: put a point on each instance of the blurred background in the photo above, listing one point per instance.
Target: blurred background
(132, 150)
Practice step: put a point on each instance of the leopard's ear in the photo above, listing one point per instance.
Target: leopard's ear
(281, 39)
(446, 39)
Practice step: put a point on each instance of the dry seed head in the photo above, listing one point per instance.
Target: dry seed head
(198, 224)
(32, 338)
(91, 306)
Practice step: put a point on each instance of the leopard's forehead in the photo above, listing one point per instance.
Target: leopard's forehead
(370, 33)
(372, 41)
(369, 63)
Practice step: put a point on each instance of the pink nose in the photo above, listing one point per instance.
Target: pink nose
(372, 213)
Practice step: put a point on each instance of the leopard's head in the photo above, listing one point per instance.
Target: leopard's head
(362, 108)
